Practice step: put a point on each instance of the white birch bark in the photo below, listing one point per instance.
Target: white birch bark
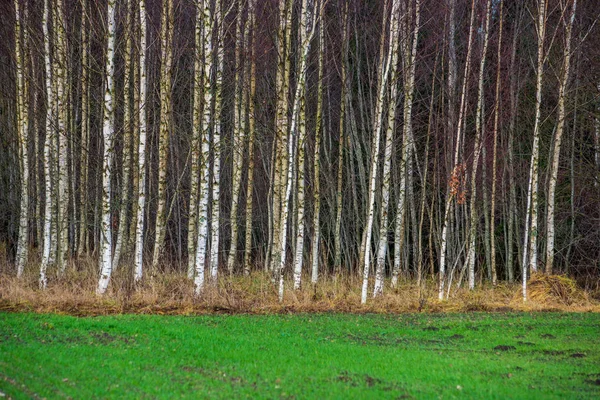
(22, 95)
(85, 133)
(495, 148)
(479, 128)
(201, 247)
(307, 28)
(459, 133)
(141, 115)
(127, 140)
(196, 139)
(166, 38)
(50, 135)
(389, 139)
(385, 63)
(316, 239)
(409, 61)
(239, 134)
(62, 95)
(251, 129)
(562, 94)
(108, 131)
(216, 146)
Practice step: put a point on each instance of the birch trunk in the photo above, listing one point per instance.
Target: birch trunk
(409, 57)
(495, 148)
(196, 142)
(479, 127)
(384, 68)
(62, 95)
(22, 95)
(451, 192)
(108, 131)
(239, 133)
(216, 149)
(85, 133)
(141, 115)
(50, 135)
(389, 140)
(166, 38)
(280, 153)
(562, 94)
(532, 198)
(127, 140)
(342, 137)
(252, 135)
(201, 246)
(316, 239)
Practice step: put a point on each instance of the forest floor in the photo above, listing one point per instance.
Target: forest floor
(320, 356)
(172, 293)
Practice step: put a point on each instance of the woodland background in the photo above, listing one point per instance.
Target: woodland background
(454, 140)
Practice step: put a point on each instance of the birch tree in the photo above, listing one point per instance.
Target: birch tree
(127, 138)
(389, 139)
(166, 40)
(22, 96)
(50, 137)
(196, 138)
(252, 134)
(201, 247)
(531, 231)
(409, 36)
(307, 28)
(216, 143)
(142, 144)
(562, 94)
(316, 238)
(479, 127)
(239, 132)
(495, 147)
(452, 191)
(108, 134)
(384, 68)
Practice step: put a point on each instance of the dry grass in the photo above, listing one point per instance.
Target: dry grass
(173, 293)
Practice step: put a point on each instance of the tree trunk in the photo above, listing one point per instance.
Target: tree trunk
(108, 133)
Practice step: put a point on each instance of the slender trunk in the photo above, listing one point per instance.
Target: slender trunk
(196, 141)
(479, 127)
(166, 36)
(85, 133)
(458, 168)
(562, 94)
(340, 164)
(122, 239)
(216, 149)
(108, 133)
(532, 198)
(22, 95)
(142, 145)
(201, 246)
(251, 130)
(239, 133)
(389, 140)
(385, 62)
(495, 150)
(316, 239)
(297, 128)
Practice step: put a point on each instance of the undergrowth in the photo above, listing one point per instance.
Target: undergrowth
(168, 292)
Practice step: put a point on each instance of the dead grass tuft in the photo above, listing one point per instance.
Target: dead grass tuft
(173, 293)
(555, 290)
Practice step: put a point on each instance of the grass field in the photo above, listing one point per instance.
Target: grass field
(474, 355)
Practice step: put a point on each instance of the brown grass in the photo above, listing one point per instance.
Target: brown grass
(173, 293)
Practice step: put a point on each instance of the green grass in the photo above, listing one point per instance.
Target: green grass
(301, 356)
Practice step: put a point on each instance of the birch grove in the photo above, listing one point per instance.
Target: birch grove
(453, 144)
